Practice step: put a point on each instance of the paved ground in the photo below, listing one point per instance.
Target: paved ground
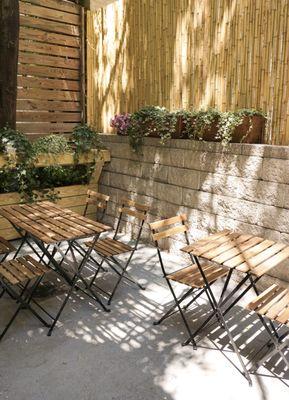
(122, 356)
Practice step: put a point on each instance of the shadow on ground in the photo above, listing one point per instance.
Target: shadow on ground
(121, 355)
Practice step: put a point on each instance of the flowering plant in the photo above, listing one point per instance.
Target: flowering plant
(121, 123)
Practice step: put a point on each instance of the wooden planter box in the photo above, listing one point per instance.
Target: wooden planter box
(242, 133)
(72, 197)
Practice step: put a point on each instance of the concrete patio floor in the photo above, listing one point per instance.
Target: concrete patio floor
(120, 355)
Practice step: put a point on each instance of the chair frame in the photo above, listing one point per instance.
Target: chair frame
(100, 200)
(168, 233)
(22, 293)
(138, 211)
(277, 342)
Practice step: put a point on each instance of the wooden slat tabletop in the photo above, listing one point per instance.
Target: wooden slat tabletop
(246, 253)
(51, 223)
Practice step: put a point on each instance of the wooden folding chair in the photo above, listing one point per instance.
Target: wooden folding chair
(5, 248)
(20, 278)
(99, 200)
(272, 306)
(189, 276)
(108, 249)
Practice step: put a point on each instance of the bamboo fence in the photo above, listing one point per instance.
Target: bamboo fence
(227, 54)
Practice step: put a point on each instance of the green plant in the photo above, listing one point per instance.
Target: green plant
(202, 121)
(151, 120)
(230, 120)
(13, 142)
(19, 174)
(84, 138)
(52, 144)
(59, 175)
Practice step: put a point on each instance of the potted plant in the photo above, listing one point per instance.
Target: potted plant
(241, 126)
(202, 124)
(184, 119)
(50, 168)
(151, 121)
(121, 123)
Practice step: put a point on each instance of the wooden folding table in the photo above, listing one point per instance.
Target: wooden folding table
(47, 226)
(252, 255)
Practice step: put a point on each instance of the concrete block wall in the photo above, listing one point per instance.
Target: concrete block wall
(241, 187)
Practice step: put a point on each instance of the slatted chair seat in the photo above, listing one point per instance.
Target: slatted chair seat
(20, 278)
(273, 304)
(110, 247)
(21, 269)
(191, 275)
(5, 246)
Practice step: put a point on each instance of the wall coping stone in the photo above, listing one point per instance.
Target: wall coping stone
(258, 150)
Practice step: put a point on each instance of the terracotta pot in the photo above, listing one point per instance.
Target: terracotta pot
(243, 133)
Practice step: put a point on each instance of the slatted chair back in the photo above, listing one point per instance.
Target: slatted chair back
(167, 228)
(133, 209)
(97, 199)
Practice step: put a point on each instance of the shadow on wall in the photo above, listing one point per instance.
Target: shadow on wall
(217, 189)
(182, 53)
(155, 63)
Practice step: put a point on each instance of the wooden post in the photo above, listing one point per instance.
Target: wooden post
(9, 38)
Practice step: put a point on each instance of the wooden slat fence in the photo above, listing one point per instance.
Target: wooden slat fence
(49, 96)
(181, 53)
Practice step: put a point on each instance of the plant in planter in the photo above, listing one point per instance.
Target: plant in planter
(183, 124)
(151, 121)
(19, 173)
(15, 144)
(203, 124)
(121, 123)
(245, 125)
(52, 144)
(85, 138)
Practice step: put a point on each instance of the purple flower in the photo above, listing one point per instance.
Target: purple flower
(121, 122)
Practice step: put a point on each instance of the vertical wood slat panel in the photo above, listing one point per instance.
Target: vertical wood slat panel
(181, 53)
(49, 79)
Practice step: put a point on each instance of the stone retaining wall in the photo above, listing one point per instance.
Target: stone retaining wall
(242, 187)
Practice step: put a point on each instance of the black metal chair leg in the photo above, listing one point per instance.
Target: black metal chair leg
(68, 294)
(235, 347)
(96, 273)
(170, 311)
(182, 315)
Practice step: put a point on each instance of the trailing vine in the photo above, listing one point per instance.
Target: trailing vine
(151, 120)
(230, 120)
(84, 138)
(202, 121)
(52, 144)
(35, 183)
(196, 124)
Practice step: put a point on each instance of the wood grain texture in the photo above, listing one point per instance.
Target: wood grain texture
(49, 69)
(9, 38)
